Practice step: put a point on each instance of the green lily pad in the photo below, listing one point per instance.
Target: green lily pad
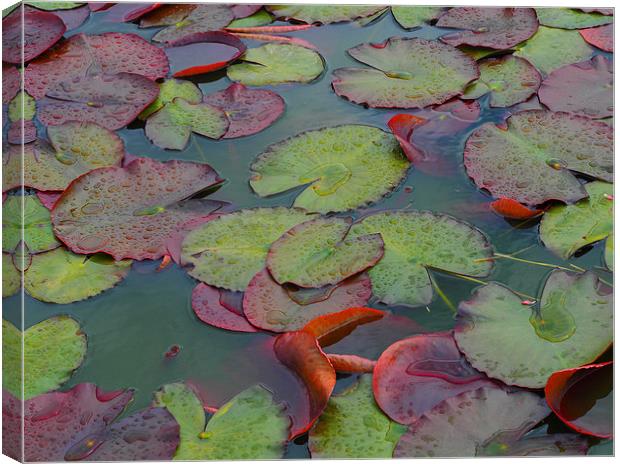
(260, 18)
(273, 64)
(568, 18)
(410, 17)
(51, 6)
(405, 73)
(53, 349)
(533, 160)
(11, 277)
(250, 426)
(170, 89)
(60, 276)
(564, 229)
(522, 345)
(509, 80)
(172, 125)
(319, 253)
(416, 241)
(550, 49)
(344, 167)
(22, 106)
(353, 427)
(229, 250)
(36, 233)
(324, 14)
(609, 252)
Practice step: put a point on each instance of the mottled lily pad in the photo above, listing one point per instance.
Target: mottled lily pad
(569, 18)
(202, 18)
(44, 30)
(497, 28)
(405, 73)
(353, 427)
(11, 277)
(208, 307)
(127, 215)
(323, 14)
(26, 221)
(532, 160)
(344, 167)
(564, 229)
(53, 349)
(277, 63)
(410, 17)
(229, 250)
(170, 89)
(601, 37)
(570, 326)
(416, 241)
(509, 80)
(583, 88)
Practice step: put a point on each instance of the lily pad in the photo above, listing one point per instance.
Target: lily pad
(25, 220)
(22, 107)
(511, 209)
(353, 427)
(497, 28)
(229, 250)
(44, 30)
(53, 6)
(584, 88)
(609, 252)
(509, 80)
(416, 374)
(416, 241)
(351, 364)
(269, 306)
(277, 63)
(344, 167)
(127, 214)
(167, 14)
(21, 132)
(323, 14)
(410, 17)
(11, 277)
(569, 18)
(11, 82)
(260, 18)
(533, 160)
(170, 89)
(171, 127)
(208, 307)
(332, 327)
(601, 37)
(564, 229)
(248, 110)
(570, 326)
(53, 349)
(121, 12)
(74, 17)
(201, 18)
(405, 73)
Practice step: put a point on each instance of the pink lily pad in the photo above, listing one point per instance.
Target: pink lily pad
(124, 12)
(11, 82)
(22, 131)
(496, 28)
(48, 199)
(601, 37)
(43, 29)
(110, 100)
(73, 17)
(243, 10)
(99, 6)
(249, 110)
(206, 303)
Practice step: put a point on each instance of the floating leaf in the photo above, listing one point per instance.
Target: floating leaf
(295, 41)
(201, 18)
(273, 64)
(243, 10)
(569, 18)
(248, 110)
(73, 17)
(11, 277)
(583, 88)
(123, 212)
(511, 209)
(353, 427)
(11, 82)
(344, 167)
(22, 107)
(229, 250)
(532, 160)
(564, 229)
(21, 132)
(170, 89)
(523, 345)
(411, 17)
(167, 14)
(26, 221)
(44, 30)
(324, 14)
(121, 12)
(609, 252)
(406, 73)
(53, 349)
(331, 328)
(601, 37)
(416, 241)
(260, 18)
(351, 364)
(402, 126)
(54, 6)
(497, 28)
(207, 305)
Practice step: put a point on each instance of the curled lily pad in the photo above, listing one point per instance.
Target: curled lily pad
(44, 30)
(351, 364)
(208, 307)
(532, 160)
(324, 14)
(416, 241)
(511, 209)
(171, 126)
(416, 374)
(277, 63)
(410, 17)
(497, 28)
(509, 80)
(11, 277)
(332, 327)
(170, 89)
(583, 88)
(353, 427)
(405, 73)
(564, 229)
(53, 349)
(202, 18)
(570, 18)
(83, 55)
(269, 306)
(570, 326)
(229, 250)
(344, 167)
(26, 221)
(11, 82)
(127, 215)
(248, 110)
(601, 37)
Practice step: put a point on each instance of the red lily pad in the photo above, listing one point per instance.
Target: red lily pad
(512, 209)
(402, 126)
(202, 18)
(11, 82)
(331, 328)
(601, 37)
(582, 398)
(73, 17)
(207, 305)
(243, 10)
(126, 213)
(583, 88)
(249, 110)
(84, 55)
(21, 131)
(351, 364)
(124, 12)
(414, 375)
(99, 6)
(43, 30)
(496, 28)
(215, 49)
(110, 100)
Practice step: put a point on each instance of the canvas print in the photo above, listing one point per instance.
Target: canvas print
(243, 231)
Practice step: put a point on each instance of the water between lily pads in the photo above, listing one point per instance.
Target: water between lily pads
(131, 326)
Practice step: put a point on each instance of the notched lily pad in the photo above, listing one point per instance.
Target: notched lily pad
(601, 37)
(570, 18)
(43, 30)
(323, 14)
(410, 17)
(26, 221)
(170, 89)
